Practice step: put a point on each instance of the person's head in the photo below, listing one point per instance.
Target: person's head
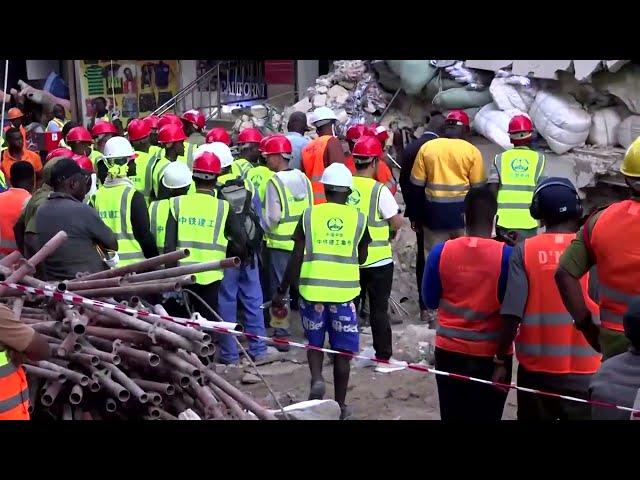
(67, 127)
(520, 130)
(631, 323)
(102, 132)
(631, 167)
(15, 117)
(138, 132)
(177, 179)
(480, 208)
(58, 111)
(171, 137)
(249, 144)
(120, 157)
(128, 74)
(556, 204)
(218, 134)
(277, 152)
(23, 176)
(206, 167)
(435, 123)
(192, 121)
(152, 121)
(79, 140)
(337, 181)
(355, 132)
(366, 152)
(324, 120)
(297, 123)
(67, 177)
(456, 125)
(100, 106)
(15, 142)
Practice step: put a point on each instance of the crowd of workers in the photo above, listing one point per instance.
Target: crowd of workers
(500, 268)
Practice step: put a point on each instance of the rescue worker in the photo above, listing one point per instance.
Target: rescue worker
(100, 112)
(288, 194)
(260, 174)
(608, 241)
(65, 131)
(330, 241)
(79, 140)
(15, 152)
(193, 122)
(101, 132)
(447, 168)
(16, 120)
(383, 172)
(248, 144)
(18, 340)
(139, 133)
(296, 128)
(13, 201)
(465, 279)
(218, 134)
(552, 353)
(57, 122)
(152, 121)
(321, 152)
(513, 178)
(377, 204)
(227, 172)
(121, 207)
(172, 138)
(213, 234)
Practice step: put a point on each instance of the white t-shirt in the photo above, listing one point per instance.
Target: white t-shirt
(387, 208)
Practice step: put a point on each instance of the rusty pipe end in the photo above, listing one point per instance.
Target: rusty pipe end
(154, 412)
(187, 252)
(95, 361)
(75, 397)
(77, 348)
(61, 287)
(79, 329)
(84, 380)
(62, 378)
(110, 405)
(124, 395)
(116, 359)
(235, 261)
(156, 398)
(143, 398)
(154, 360)
(206, 338)
(46, 399)
(185, 380)
(94, 386)
(170, 390)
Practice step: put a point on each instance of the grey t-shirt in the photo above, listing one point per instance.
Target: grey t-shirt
(617, 381)
(85, 230)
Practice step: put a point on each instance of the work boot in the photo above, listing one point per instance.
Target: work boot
(346, 412)
(317, 390)
(271, 355)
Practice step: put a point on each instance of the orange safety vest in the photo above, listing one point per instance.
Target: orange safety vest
(383, 173)
(548, 340)
(12, 201)
(14, 392)
(614, 244)
(469, 319)
(313, 165)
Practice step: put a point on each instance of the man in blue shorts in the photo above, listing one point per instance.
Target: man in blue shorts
(331, 241)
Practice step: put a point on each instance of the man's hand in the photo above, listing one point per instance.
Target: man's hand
(500, 376)
(591, 334)
(17, 358)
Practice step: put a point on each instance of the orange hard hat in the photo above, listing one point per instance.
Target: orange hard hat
(14, 113)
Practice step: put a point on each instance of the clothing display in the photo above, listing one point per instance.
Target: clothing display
(147, 102)
(95, 80)
(162, 72)
(164, 97)
(130, 106)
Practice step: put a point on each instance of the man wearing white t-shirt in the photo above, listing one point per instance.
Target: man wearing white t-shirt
(375, 201)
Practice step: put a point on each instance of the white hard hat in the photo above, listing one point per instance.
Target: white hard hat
(321, 116)
(219, 149)
(337, 175)
(176, 175)
(118, 147)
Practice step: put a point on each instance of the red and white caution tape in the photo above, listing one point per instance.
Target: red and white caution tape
(221, 328)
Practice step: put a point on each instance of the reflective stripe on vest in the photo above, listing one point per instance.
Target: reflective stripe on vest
(259, 176)
(190, 149)
(330, 271)
(14, 392)
(313, 165)
(617, 255)
(468, 315)
(519, 170)
(95, 156)
(547, 340)
(241, 167)
(113, 204)
(3, 180)
(145, 163)
(201, 219)
(365, 196)
(158, 216)
(291, 210)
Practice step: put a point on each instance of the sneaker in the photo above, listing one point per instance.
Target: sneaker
(271, 355)
(394, 366)
(317, 390)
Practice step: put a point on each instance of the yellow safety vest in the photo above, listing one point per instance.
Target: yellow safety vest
(259, 176)
(158, 171)
(290, 213)
(365, 196)
(330, 271)
(145, 162)
(519, 170)
(158, 216)
(113, 204)
(241, 167)
(201, 219)
(189, 151)
(96, 156)
(3, 180)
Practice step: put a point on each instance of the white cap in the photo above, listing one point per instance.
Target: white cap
(176, 175)
(118, 147)
(219, 149)
(337, 175)
(322, 115)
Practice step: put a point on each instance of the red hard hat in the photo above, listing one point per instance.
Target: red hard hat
(458, 116)
(207, 162)
(276, 144)
(354, 132)
(218, 134)
(14, 113)
(79, 134)
(250, 135)
(195, 117)
(261, 145)
(380, 132)
(84, 162)
(169, 119)
(367, 146)
(138, 129)
(59, 152)
(171, 133)
(520, 123)
(152, 121)
(100, 128)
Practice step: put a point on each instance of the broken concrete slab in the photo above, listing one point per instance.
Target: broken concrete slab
(311, 410)
(303, 105)
(281, 368)
(250, 378)
(320, 100)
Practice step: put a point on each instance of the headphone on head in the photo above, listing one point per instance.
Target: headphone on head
(534, 209)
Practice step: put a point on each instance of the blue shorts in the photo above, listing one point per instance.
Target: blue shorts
(339, 319)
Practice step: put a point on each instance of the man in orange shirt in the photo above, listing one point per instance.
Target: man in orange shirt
(16, 152)
(16, 120)
(13, 201)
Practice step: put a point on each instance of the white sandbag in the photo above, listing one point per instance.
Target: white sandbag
(561, 120)
(509, 93)
(461, 98)
(604, 125)
(414, 74)
(624, 84)
(493, 123)
(628, 130)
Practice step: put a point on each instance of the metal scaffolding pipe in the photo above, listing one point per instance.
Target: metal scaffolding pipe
(10, 259)
(119, 376)
(151, 386)
(45, 373)
(50, 394)
(75, 396)
(186, 270)
(137, 289)
(142, 266)
(79, 285)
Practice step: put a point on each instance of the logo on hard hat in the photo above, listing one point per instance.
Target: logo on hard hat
(335, 224)
(354, 198)
(520, 165)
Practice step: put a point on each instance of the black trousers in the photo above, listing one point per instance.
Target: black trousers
(420, 261)
(464, 399)
(541, 407)
(208, 293)
(377, 282)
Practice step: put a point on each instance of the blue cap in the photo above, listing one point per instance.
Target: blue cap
(558, 199)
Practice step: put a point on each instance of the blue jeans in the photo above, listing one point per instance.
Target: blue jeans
(241, 283)
(278, 260)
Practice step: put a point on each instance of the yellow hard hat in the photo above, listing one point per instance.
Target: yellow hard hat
(631, 163)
